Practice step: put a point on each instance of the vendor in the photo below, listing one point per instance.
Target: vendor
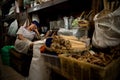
(25, 36)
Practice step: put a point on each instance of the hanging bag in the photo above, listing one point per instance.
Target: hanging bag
(13, 28)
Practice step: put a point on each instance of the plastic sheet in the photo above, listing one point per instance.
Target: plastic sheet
(38, 70)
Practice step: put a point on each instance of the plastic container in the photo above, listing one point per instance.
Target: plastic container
(52, 61)
(66, 66)
(79, 70)
(5, 55)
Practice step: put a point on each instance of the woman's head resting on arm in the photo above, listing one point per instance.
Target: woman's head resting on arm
(34, 25)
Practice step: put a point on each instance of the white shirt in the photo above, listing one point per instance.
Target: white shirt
(26, 33)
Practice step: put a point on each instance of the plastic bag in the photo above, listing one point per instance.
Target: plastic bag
(13, 28)
(77, 32)
(107, 30)
(12, 9)
(35, 18)
(22, 46)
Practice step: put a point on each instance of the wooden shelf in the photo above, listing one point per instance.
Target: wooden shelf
(45, 5)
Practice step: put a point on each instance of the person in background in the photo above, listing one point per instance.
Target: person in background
(25, 37)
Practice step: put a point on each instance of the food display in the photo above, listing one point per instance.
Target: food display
(83, 23)
(100, 58)
(76, 49)
(89, 65)
(66, 44)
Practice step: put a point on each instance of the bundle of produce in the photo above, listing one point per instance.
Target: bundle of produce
(66, 44)
(82, 20)
(93, 58)
(109, 7)
(83, 23)
(69, 37)
(77, 45)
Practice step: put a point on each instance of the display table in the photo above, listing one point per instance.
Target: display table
(78, 70)
(71, 69)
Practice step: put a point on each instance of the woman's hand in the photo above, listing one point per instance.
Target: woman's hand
(38, 34)
(36, 31)
(31, 45)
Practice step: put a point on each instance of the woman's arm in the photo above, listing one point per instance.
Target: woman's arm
(37, 33)
(21, 37)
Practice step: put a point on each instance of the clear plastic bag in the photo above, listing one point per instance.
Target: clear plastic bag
(13, 28)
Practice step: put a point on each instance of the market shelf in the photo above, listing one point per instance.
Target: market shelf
(45, 5)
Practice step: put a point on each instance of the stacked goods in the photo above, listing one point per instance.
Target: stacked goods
(106, 9)
(66, 44)
(77, 45)
(100, 58)
(72, 42)
(83, 20)
(66, 66)
(89, 66)
(109, 7)
(69, 37)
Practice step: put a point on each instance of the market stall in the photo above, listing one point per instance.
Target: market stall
(80, 59)
(79, 40)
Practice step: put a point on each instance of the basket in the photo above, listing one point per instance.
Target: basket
(66, 66)
(79, 70)
(52, 61)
